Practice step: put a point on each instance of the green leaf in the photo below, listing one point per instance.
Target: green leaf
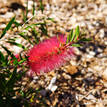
(26, 10)
(17, 44)
(28, 27)
(12, 79)
(23, 60)
(12, 39)
(33, 11)
(32, 25)
(20, 56)
(35, 33)
(15, 61)
(7, 27)
(76, 45)
(52, 19)
(16, 23)
(2, 83)
(43, 28)
(72, 35)
(8, 52)
(41, 6)
(1, 56)
(85, 39)
(77, 32)
(39, 24)
(22, 35)
(24, 17)
(68, 39)
(3, 61)
(22, 93)
(26, 13)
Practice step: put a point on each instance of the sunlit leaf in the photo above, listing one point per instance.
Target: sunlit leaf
(17, 44)
(68, 39)
(23, 60)
(76, 45)
(72, 35)
(77, 32)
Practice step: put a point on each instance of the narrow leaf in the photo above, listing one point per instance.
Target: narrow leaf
(26, 13)
(24, 17)
(2, 83)
(33, 11)
(85, 39)
(52, 19)
(28, 27)
(8, 52)
(23, 60)
(16, 23)
(32, 25)
(26, 10)
(72, 35)
(77, 32)
(1, 56)
(17, 44)
(7, 27)
(15, 61)
(12, 80)
(22, 35)
(68, 39)
(41, 6)
(76, 45)
(35, 33)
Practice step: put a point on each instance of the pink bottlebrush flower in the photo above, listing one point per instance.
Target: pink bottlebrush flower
(49, 54)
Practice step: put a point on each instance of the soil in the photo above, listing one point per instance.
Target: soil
(81, 82)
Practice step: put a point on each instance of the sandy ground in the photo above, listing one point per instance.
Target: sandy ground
(82, 82)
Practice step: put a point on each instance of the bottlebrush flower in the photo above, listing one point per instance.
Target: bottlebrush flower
(49, 54)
